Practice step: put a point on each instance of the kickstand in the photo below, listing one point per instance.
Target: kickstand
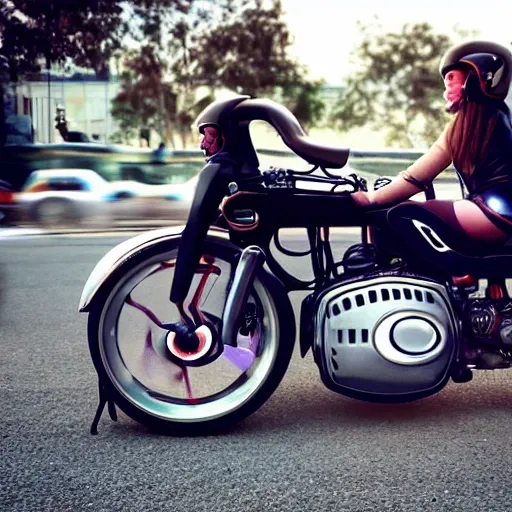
(104, 400)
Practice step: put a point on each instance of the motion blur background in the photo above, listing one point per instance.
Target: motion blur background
(97, 100)
(99, 97)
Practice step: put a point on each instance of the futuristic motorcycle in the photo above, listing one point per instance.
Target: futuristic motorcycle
(191, 329)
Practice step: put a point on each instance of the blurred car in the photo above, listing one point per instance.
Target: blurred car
(64, 196)
(112, 162)
(80, 196)
(167, 201)
(8, 204)
(178, 197)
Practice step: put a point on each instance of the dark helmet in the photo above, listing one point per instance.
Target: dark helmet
(489, 65)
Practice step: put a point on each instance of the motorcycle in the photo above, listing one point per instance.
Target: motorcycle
(191, 329)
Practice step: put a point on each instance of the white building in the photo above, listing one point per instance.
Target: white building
(88, 109)
(87, 104)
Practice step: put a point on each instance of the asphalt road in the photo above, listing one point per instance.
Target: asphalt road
(306, 449)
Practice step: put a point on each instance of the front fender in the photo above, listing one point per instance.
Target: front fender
(119, 254)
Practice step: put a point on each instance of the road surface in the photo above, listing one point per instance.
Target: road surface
(306, 449)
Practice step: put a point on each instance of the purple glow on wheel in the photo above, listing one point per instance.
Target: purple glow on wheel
(241, 357)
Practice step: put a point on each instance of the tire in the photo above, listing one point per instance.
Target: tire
(55, 212)
(277, 341)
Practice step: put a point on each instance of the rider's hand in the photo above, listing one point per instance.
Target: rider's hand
(362, 198)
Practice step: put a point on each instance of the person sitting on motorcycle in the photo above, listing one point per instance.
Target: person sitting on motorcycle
(478, 141)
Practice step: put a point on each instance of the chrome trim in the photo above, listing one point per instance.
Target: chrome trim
(420, 227)
(386, 349)
(348, 357)
(388, 280)
(121, 253)
(251, 260)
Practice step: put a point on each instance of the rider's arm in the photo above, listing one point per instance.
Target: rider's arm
(417, 176)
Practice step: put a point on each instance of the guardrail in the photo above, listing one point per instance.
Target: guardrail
(114, 162)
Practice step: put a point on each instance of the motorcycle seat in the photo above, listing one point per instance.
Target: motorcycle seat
(427, 236)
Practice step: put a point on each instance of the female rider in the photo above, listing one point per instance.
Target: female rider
(478, 141)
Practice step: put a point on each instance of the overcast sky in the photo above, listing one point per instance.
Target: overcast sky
(325, 31)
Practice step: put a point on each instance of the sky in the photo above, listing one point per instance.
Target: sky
(325, 31)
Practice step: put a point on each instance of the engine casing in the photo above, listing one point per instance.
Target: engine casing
(386, 338)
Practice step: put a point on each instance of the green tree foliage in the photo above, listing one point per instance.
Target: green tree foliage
(247, 53)
(169, 49)
(305, 103)
(397, 85)
(156, 91)
(35, 32)
(240, 45)
(149, 100)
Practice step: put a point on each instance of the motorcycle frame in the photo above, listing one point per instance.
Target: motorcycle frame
(274, 206)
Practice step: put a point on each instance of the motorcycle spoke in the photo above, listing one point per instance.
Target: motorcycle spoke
(153, 364)
(206, 268)
(186, 380)
(145, 310)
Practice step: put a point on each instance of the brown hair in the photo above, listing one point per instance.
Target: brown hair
(469, 135)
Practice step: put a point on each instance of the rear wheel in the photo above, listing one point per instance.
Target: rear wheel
(128, 344)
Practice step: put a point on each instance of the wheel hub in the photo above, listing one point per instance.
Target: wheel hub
(193, 347)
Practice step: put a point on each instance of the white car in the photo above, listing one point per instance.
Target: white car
(71, 196)
(64, 196)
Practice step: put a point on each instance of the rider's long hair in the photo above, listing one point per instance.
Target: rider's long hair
(470, 133)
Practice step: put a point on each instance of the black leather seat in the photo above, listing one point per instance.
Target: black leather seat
(434, 241)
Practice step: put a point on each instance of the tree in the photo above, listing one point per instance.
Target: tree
(247, 52)
(304, 101)
(181, 45)
(236, 44)
(397, 85)
(84, 32)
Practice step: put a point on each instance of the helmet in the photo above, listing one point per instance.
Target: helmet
(489, 65)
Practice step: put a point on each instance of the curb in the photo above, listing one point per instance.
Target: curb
(129, 228)
(4, 235)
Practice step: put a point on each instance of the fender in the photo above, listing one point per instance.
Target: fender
(121, 253)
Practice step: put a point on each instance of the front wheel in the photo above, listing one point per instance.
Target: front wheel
(128, 347)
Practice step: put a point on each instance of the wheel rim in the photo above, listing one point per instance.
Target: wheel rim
(136, 363)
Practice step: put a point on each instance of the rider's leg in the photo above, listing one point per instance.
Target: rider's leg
(467, 220)
(475, 223)
(463, 216)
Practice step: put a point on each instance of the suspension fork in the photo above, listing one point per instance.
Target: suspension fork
(251, 260)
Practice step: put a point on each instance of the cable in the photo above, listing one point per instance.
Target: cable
(287, 252)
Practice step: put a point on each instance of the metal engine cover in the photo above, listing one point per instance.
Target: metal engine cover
(387, 338)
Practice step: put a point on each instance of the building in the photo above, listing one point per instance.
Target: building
(87, 104)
